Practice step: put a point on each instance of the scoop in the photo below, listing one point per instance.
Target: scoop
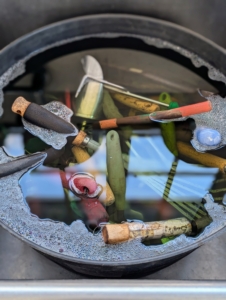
(89, 62)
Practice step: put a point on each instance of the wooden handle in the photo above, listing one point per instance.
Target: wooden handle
(117, 233)
(205, 159)
(140, 105)
(21, 163)
(79, 138)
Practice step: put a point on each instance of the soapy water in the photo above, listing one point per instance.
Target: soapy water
(215, 119)
(75, 241)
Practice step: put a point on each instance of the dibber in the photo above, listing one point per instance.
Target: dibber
(20, 163)
(38, 115)
(41, 117)
(158, 116)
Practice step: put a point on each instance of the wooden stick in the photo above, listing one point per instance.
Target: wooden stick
(140, 105)
(117, 233)
(205, 159)
(114, 123)
(81, 155)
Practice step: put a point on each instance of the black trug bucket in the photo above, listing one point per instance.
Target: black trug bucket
(121, 31)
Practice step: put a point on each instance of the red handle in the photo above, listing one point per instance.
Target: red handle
(195, 109)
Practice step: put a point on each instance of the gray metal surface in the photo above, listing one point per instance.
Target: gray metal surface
(112, 289)
(19, 261)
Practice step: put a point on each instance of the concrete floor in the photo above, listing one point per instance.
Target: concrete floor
(19, 261)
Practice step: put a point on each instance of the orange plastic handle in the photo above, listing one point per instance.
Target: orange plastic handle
(195, 109)
(108, 124)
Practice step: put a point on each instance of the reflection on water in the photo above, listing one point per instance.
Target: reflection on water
(153, 191)
(147, 173)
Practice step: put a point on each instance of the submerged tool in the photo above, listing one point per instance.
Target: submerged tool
(168, 129)
(81, 155)
(86, 188)
(134, 103)
(179, 113)
(43, 118)
(37, 145)
(90, 76)
(205, 159)
(116, 174)
(88, 103)
(20, 163)
(118, 233)
(110, 110)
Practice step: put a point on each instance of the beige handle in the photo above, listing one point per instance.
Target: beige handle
(205, 159)
(79, 138)
(117, 233)
(20, 106)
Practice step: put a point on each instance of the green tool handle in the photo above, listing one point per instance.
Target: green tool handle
(116, 172)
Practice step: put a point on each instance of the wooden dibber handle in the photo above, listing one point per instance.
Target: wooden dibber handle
(41, 117)
(205, 159)
(81, 155)
(117, 233)
(132, 102)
